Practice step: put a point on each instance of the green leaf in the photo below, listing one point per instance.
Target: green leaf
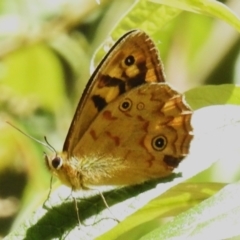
(209, 7)
(162, 209)
(95, 218)
(213, 95)
(217, 217)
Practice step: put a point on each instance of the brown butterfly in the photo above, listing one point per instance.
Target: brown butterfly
(129, 126)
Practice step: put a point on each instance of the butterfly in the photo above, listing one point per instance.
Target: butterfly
(130, 126)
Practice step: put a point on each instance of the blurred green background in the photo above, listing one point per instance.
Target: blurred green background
(46, 49)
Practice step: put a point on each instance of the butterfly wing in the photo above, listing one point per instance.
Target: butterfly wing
(132, 61)
(142, 135)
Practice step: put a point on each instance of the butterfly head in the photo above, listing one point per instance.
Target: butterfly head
(58, 167)
(54, 163)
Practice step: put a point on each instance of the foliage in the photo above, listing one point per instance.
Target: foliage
(46, 51)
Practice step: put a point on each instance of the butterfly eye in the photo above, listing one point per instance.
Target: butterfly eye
(130, 60)
(125, 105)
(159, 143)
(57, 162)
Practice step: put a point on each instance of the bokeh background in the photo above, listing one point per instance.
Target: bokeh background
(46, 52)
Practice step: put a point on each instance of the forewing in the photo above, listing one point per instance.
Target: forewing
(131, 62)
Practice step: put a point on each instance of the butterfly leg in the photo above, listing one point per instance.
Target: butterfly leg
(49, 193)
(105, 202)
(77, 210)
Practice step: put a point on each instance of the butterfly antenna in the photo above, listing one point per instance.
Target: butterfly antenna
(34, 139)
(49, 145)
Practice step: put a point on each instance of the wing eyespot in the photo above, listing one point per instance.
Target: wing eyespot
(129, 60)
(125, 105)
(140, 106)
(159, 143)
